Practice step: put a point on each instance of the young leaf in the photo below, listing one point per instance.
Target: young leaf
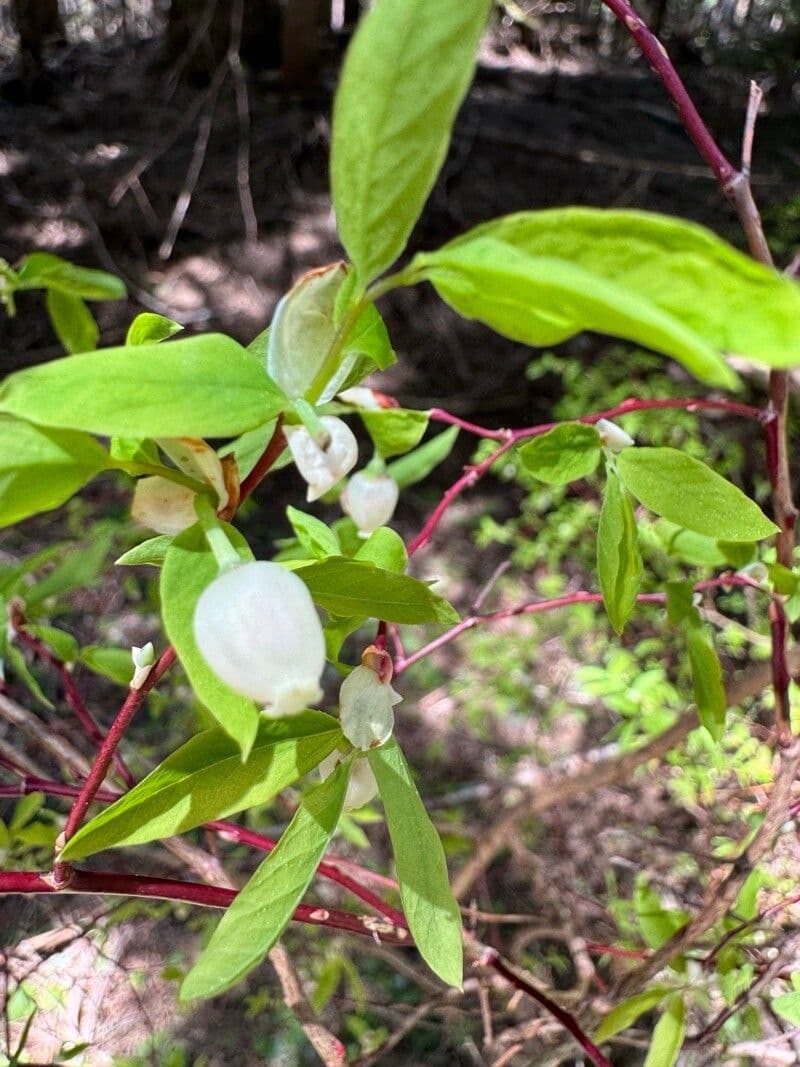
(72, 321)
(385, 549)
(544, 300)
(349, 587)
(149, 328)
(626, 1013)
(40, 468)
(428, 903)
(722, 295)
(619, 562)
(709, 692)
(668, 1035)
(395, 430)
(417, 465)
(204, 386)
(564, 454)
(207, 779)
(189, 566)
(403, 81)
(315, 537)
(113, 663)
(43, 270)
(262, 910)
(152, 551)
(688, 493)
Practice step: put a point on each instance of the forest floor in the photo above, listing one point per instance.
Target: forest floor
(95, 176)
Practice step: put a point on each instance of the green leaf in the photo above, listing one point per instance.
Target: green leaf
(63, 644)
(723, 296)
(113, 663)
(680, 604)
(248, 448)
(657, 923)
(688, 546)
(153, 551)
(207, 779)
(23, 674)
(349, 587)
(40, 469)
(25, 810)
(688, 493)
(262, 910)
(619, 562)
(149, 328)
(386, 549)
(42, 270)
(788, 1007)
(564, 454)
(79, 569)
(709, 692)
(626, 1013)
(428, 903)
(403, 81)
(417, 465)
(189, 566)
(369, 342)
(204, 386)
(315, 537)
(544, 300)
(668, 1035)
(395, 430)
(72, 321)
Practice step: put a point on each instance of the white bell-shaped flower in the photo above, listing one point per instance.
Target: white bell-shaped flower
(323, 465)
(612, 436)
(370, 499)
(365, 708)
(258, 630)
(361, 787)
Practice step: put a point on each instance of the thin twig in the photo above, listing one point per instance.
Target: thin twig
(243, 116)
(192, 175)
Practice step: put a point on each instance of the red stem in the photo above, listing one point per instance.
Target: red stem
(274, 448)
(655, 54)
(491, 959)
(73, 696)
(209, 896)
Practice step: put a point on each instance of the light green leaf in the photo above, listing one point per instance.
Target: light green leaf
(619, 562)
(657, 923)
(113, 663)
(204, 386)
(153, 551)
(315, 537)
(628, 1011)
(261, 911)
(23, 674)
(248, 448)
(395, 430)
(688, 493)
(564, 454)
(369, 342)
(385, 549)
(63, 644)
(709, 692)
(691, 547)
(149, 328)
(417, 465)
(788, 1007)
(207, 779)
(189, 567)
(40, 469)
(428, 903)
(727, 298)
(349, 587)
(543, 300)
(668, 1035)
(42, 270)
(404, 78)
(72, 321)
(78, 569)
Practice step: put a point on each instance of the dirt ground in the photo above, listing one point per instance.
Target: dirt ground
(94, 174)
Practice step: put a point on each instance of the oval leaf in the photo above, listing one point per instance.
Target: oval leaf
(619, 562)
(199, 387)
(72, 321)
(207, 779)
(404, 78)
(668, 1035)
(261, 911)
(626, 1013)
(428, 902)
(688, 493)
(709, 692)
(564, 454)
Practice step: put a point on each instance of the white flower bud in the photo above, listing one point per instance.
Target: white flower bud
(613, 437)
(143, 660)
(258, 630)
(756, 572)
(365, 708)
(370, 500)
(361, 396)
(322, 467)
(361, 787)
